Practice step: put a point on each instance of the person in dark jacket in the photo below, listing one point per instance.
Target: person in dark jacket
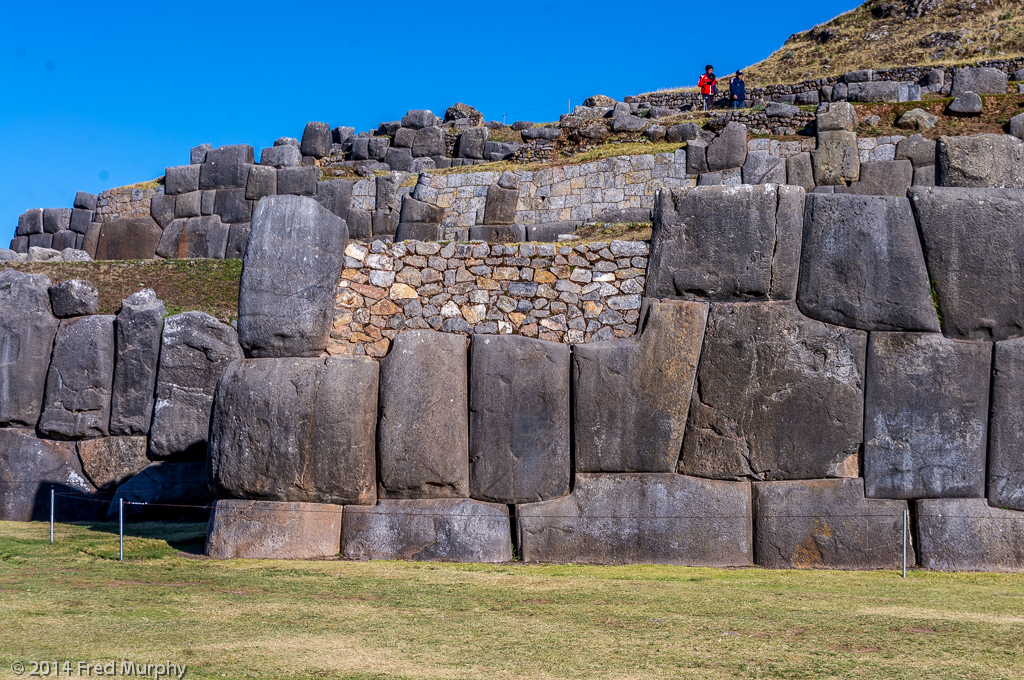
(738, 91)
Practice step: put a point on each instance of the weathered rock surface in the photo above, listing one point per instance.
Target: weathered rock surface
(130, 238)
(443, 530)
(836, 160)
(519, 435)
(166, 483)
(978, 80)
(641, 518)
(916, 149)
(137, 329)
(973, 247)
(269, 530)
(1006, 435)
(799, 171)
(985, 160)
(965, 534)
(423, 447)
(194, 237)
(632, 395)
(966, 104)
(862, 264)
(195, 350)
(27, 329)
(882, 178)
(826, 524)
(289, 277)
(761, 167)
(296, 429)
(501, 204)
(78, 384)
(726, 243)
(917, 119)
(111, 461)
(28, 467)
(926, 416)
(729, 148)
(778, 396)
(316, 140)
(74, 297)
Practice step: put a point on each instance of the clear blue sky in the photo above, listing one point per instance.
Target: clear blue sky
(99, 95)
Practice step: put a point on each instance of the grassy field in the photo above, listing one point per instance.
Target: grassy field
(332, 619)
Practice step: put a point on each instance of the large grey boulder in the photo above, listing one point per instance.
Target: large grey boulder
(74, 297)
(429, 141)
(726, 243)
(682, 132)
(300, 181)
(442, 530)
(985, 160)
(290, 276)
(195, 350)
(29, 467)
(336, 196)
(283, 156)
(472, 142)
(883, 91)
(226, 167)
(27, 328)
(414, 210)
(926, 416)
(632, 395)
(696, 157)
(840, 116)
(916, 149)
(423, 435)
(780, 110)
(164, 483)
(500, 206)
(194, 237)
(419, 118)
(982, 80)
(965, 534)
(262, 180)
(836, 160)
(1006, 434)
(973, 247)
(763, 168)
(862, 265)
(966, 104)
(269, 530)
(181, 179)
(316, 140)
(778, 396)
(799, 171)
(641, 518)
(882, 178)
(519, 437)
(826, 524)
(917, 119)
(137, 330)
(296, 429)
(129, 238)
(729, 148)
(78, 384)
(110, 461)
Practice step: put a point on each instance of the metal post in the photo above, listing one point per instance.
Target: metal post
(51, 514)
(570, 106)
(905, 519)
(120, 520)
(503, 119)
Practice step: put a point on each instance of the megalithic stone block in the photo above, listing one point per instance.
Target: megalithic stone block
(641, 518)
(1006, 436)
(28, 467)
(973, 247)
(290, 275)
(316, 140)
(862, 265)
(424, 417)
(726, 243)
(926, 416)
(27, 329)
(110, 461)
(74, 297)
(729, 148)
(965, 534)
(835, 160)
(439, 530)
(778, 396)
(269, 530)
(78, 384)
(195, 349)
(827, 524)
(137, 330)
(130, 238)
(632, 395)
(195, 237)
(296, 429)
(518, 419)
(226, 167)
(983, 160)
(500, 206)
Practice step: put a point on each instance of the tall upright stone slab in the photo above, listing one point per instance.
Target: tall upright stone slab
(641, 518)
(965, 534)
(632, 395)
(726, 243)
(835, 160)
(137, 330)
(296, 429)
(826, 524)
(269, 530)
(926, 416)
(1005, 487)
(424, 417)
(289, 277)
(29, 467)
(862, 265)
(518, 419)
(78, 384)
(27, 329)
(973, 243)
(195, 351)
(778, 396)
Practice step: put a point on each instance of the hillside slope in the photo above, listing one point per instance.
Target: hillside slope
(888, 33)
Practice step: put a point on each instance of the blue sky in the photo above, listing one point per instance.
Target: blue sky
(99, 95)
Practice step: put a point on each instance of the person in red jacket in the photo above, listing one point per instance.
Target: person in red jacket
(708, 85)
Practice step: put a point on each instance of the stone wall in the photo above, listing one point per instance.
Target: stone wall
(124, 202)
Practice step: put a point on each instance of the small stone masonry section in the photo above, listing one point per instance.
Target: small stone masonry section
(572, 294)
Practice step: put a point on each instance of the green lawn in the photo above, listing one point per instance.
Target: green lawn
(331, 619)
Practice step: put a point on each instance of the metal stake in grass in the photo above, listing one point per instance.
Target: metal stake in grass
(51, 513)
(905, 519)
(120, 523)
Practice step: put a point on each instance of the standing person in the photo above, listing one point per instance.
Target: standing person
(708, 85)
(738, 90)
